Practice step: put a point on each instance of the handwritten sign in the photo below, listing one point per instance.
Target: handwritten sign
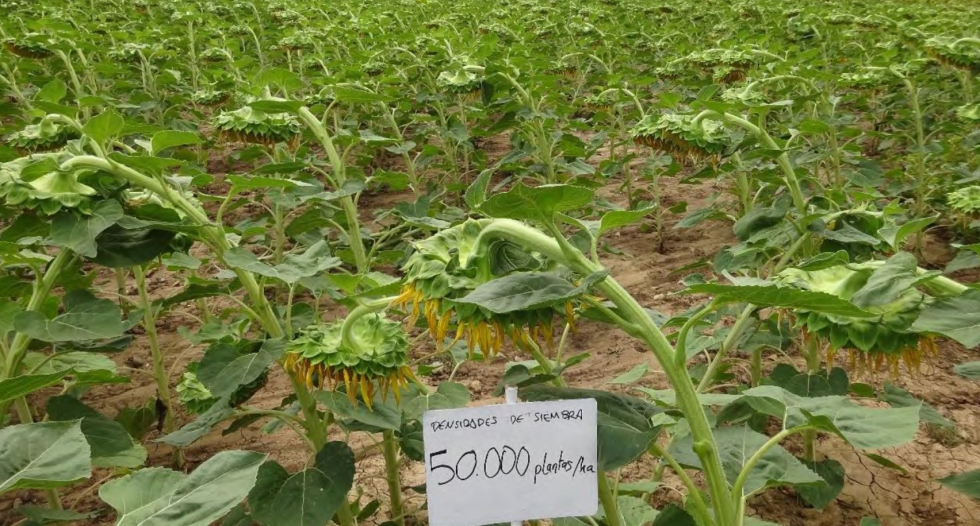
(503, 463)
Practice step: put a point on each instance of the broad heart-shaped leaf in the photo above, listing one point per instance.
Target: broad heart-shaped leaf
(889, 281)
(969, 370)
(23, 385)
(52, 92)
(619, 218)
(736, 445)
(187, 435)
(528, 290)
(476, 193)
(43, 455)
(966, 483)
(162, 497)
(104, 126)
(895, 235)
(898, 397)
(957, 318)
(169, 139)
(85, 318)
(539, 203)
(449, 395)
(308, 498)
(786, 297)
(79, 233)
(625, 430)
(380, 416)
(862, 427)
(821, 495)
(111, 444)
(294, 267)
(225, 367)
(119, 247)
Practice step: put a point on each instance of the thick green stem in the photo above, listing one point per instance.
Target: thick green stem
(609, 504)
(390, 450)
(213, 233)
(159, 368)
(559, 250)
(42, 289)
(792, 183)
(340, 176)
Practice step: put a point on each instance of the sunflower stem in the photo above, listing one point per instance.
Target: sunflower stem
(560, 250)
(389, 448)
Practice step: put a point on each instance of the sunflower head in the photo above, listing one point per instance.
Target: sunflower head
(249, 125)
(451, 264)
(31, 45)
(372, 356)
(24, 184)
(945, 51)
(41, 137)
(603, 101)
(884, 337)
(681, 136)
(210, 97)
(713, 58)
(461, 82)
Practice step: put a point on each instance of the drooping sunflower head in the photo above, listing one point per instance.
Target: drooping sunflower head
(713, 58)
(31, 45)
(36, 182)
(448, 266)
(683, 137)
(461, 82)
(373, 356)
(214, 55)
(252, 126)
(946, 51)
(41, 137)
(885, 335)
(602, 101)
(210, 97)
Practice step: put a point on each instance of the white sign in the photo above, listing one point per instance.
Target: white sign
(504, 463)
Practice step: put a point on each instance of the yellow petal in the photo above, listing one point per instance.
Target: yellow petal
(364, 390)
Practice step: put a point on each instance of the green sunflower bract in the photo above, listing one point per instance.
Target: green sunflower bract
(887, 337)
(681, 136)
(451, 264)
(373, 355)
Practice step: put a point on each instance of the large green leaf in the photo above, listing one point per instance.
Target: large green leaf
(625, 431)
(85, 318)
(785, 297)
(79, 233)
(957, 318)
(898, 397)
(380, 416)
(449, 395)
(821, 495)
(43, 455)
(111, 444)
(539, 203)
(969, 370)
(862, 427)
(225, 367)
(294, 267)
(105, 126)
(120, 247)
(888, 281)
(187, 435)
(170, 138)
(619, 218)
(162, 497)
(528, 290)
(736, 445)
(19, 386)
(895, 235)
(966, 483)
(307, 498)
